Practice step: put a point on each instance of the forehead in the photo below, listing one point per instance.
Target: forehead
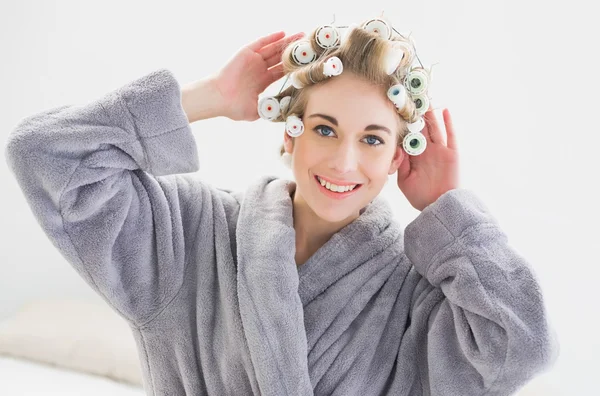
(352, 100)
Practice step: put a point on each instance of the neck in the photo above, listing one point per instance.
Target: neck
(312, 232)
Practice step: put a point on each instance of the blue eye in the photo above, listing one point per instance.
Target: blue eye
(321, 128)
(376, 139)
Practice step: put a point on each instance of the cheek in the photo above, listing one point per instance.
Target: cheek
(377, 165)
(309, 152)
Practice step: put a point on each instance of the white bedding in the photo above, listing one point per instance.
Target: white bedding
(22, 377)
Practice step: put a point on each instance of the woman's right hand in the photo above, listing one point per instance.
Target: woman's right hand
(249, 72)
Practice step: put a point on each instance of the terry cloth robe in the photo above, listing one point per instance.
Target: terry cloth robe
(207, 279)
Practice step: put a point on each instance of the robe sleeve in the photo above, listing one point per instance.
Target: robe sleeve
(95, 177)
(489, 332)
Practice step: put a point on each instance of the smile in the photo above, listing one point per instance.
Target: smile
(335, 194)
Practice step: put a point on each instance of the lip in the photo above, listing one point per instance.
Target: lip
(336, 182)
(335, 195)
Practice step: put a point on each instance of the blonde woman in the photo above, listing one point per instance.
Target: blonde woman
(292, 287)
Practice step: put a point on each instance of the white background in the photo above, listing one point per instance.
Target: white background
(519, 77)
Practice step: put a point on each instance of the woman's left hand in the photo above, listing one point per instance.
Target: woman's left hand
(424, 178)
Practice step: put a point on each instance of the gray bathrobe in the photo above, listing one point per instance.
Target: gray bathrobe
(207, 279)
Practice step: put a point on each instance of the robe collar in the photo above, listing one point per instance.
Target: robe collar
(272, 290)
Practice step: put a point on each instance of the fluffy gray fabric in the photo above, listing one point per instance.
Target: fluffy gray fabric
(207, 279)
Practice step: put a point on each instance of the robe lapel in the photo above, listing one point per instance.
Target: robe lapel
(273, 293)
(270, 307)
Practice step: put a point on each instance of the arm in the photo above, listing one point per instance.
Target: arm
(202, 99)
(93, 177)
(488, 331)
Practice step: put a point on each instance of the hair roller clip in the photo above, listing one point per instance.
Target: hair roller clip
(417, 126)
(397, 94)
(405, 44)
(416, 81)
(295, 82)
(268, 108)
(378, 26)
(303, 53)
(284, 103)
(327, 37)
(414, 143)
(393, 56)
(294, 126)
(333, 67)
(421, 103)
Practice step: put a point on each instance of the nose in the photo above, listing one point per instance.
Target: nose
(345, 158)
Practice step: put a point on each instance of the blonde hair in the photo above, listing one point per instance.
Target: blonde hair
(361, 53)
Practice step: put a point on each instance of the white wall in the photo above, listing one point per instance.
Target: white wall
(519, 77)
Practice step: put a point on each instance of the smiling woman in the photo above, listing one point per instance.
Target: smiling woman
(349, 132)
(305, 287)
(351, 137)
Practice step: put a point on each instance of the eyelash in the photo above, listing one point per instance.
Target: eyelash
(319, 127)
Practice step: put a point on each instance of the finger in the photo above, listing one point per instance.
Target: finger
(275, 73)
(450, 130)
(433, 127)
(273, 60)
(278, 47)
(265, 40)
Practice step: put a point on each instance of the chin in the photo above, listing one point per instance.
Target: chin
(334, 211)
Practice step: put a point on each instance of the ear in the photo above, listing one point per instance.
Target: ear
(288, 143)
(399, 156)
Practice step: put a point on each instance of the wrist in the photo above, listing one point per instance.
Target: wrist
(201, 100)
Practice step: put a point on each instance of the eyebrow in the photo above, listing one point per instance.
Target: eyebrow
(372, 127)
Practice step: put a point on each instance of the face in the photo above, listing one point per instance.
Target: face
(350, 135)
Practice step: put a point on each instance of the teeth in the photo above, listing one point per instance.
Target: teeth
(334, 187)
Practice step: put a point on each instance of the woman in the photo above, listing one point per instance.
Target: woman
(206, 277)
